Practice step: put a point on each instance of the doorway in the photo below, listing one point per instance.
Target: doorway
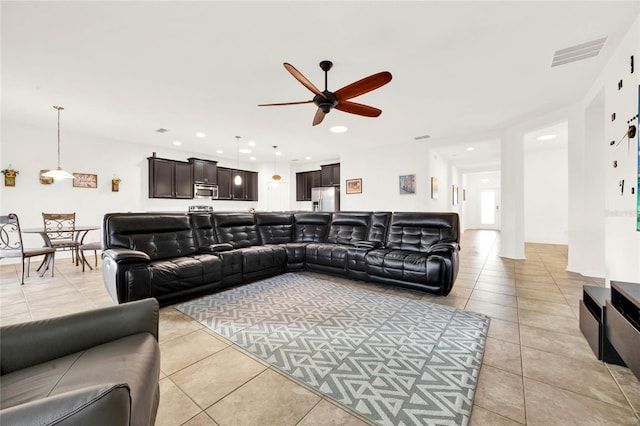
(489, 210)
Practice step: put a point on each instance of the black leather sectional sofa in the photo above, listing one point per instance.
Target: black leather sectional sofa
(175, 256)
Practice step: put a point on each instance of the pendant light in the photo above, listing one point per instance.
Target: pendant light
(276, 177)
(238, 179)
(58, 173)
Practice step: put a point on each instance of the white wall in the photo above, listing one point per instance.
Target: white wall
(546, 187)
(622, 240)
(380, 170)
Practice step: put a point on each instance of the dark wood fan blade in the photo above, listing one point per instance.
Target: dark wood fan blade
(317, 119)
(302, 79)
(363, 86)
(287, 103)
(360, 109)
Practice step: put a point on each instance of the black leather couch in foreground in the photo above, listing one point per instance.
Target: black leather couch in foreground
(174, 256)
(98, 367)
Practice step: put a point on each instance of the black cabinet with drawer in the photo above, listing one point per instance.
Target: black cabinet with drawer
(623, 323)
(593, 320)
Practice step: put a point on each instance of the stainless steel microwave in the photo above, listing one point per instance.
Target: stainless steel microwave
(205, 190)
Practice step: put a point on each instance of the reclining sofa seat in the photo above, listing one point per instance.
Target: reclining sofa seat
(155, 255)
(239, 231)
(345, 229)
(421, 252)
(98, 367)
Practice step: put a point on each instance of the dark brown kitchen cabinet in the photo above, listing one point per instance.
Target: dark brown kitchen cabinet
(224, 183)
(170, 179)
(228, 190)
(204, 171)
(304, 182)
(330, 174)
(251, 186)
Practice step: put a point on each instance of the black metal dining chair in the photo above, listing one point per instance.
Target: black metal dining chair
(11, 246)
(61, 230)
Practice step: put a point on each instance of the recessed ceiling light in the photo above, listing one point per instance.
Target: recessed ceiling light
(484, 180)
(546, 137)
(219, 151)
(471, 148)
(177, 143)
(252, 158)
(200, 135)
(244, 151)
(278, 153)
(307, 158)
(339, 129)
(251, 143)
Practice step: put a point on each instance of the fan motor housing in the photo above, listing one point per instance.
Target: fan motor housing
(327, 102)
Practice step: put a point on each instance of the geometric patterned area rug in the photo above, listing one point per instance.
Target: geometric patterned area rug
(393, 360)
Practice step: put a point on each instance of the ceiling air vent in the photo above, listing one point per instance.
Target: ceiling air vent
(578, 52)
(161, 130)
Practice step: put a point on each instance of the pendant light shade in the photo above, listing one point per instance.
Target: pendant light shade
(58, 173)
(238, 179)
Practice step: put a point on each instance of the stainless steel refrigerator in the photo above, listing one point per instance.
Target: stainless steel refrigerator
(325, 199)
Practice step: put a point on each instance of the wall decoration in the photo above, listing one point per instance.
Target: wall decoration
(10, 176)
(45, 180)
(407, 184)
(354, 186)
(464, 195)
(85, 180)
(434, 188)
(454, 195)
(115, 184)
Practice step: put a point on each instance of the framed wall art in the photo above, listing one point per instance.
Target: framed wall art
(407, 184)
(354, 186)
(454, 195)
(85, 180)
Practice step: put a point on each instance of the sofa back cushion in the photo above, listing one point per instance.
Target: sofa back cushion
(346, 227)
(311, 227)
(379, 226)
(203, 231)
(159, 235)
(237, 229)
(419, 231)
(275, 228)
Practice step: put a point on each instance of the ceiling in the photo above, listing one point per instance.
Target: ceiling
(461, 70)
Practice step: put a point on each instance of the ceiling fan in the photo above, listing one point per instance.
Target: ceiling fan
(339, 99)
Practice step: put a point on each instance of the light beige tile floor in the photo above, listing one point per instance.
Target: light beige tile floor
(537, 367)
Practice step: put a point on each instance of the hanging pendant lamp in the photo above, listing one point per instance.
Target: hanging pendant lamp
(58, 173)
(276, 177)
(238, 179)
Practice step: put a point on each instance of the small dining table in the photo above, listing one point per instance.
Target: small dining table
(79, 234)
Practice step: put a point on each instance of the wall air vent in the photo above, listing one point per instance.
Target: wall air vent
(578, 52)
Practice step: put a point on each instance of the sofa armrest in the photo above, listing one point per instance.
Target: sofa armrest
(122, 255)
(31, 343)
(367, 244)
(216, 248)
(100, 405)
(443, 248)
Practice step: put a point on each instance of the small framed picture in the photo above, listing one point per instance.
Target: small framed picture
(407, 184)
(354, 186)
(85, 180)
(434, 188)
(454, 195)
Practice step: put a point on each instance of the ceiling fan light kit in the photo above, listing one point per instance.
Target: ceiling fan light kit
(326, 100)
